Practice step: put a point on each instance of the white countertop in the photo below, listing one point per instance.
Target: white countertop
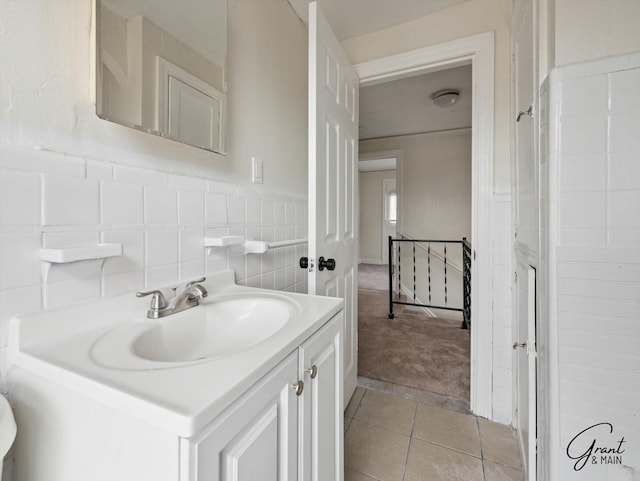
(180, 398)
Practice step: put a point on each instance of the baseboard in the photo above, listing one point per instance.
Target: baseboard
(441, 313)
(371, 261)
(409, 295)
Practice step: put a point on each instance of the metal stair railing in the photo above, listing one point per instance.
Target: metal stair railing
(432, 254)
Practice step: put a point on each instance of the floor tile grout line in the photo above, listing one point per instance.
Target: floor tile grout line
(447, 447)
(359, 402)
(467, 409)
(484, 474)
(368, 423)
(413, 423)
(364, 474)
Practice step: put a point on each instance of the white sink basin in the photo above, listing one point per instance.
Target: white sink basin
(224, 327)
(218, 327)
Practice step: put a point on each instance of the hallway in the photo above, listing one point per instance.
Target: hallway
(414, 350)
(394, 433)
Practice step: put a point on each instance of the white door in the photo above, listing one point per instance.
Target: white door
(333, 177)
(526, 231)
(389, 210)
(526, 360)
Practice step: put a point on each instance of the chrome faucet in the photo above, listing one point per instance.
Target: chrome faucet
(191, 296)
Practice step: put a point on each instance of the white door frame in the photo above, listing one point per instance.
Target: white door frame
(386, 225)
(388, 154)
(477, 50)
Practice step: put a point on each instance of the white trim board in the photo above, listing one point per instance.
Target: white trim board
(371, 261)
(477, 50)
(165, 70)
(456, 315)
(377, 165)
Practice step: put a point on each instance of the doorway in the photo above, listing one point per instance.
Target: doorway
(477, 51)
(417, 347)
(378, 207)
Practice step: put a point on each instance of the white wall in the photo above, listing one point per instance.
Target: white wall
(572, 31)
(434, 182)
(69, 177)
(591, 29)
(371, 213)
(590, 188)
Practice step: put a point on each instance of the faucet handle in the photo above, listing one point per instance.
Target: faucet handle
(157, 300)
(197, 281)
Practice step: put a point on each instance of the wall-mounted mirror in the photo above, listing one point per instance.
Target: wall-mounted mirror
(161, 68)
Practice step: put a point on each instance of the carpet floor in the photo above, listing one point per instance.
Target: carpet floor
(373, 276)
(432, 354)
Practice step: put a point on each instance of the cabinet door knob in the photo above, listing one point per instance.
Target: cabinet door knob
(519, 345)
(313, 371)
(298, 387)
(304, 262)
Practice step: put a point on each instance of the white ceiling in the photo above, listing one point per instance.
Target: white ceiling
(351, 18)
(404, 106)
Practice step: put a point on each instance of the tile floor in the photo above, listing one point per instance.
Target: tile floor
(395, 433)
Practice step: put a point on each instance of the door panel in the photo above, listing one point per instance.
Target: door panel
(526, 231)
(333, 150)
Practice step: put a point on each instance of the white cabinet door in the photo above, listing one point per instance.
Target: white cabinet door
(321, 422)
(333, 180)
(256, 438)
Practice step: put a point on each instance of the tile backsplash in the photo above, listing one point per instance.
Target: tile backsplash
(161, 219)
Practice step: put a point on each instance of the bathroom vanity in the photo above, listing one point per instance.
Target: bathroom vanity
(106, 394)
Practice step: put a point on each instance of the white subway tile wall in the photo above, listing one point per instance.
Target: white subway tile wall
(592, 217)
(502, 317)
(51, 200)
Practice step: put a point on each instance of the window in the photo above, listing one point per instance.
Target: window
(392, 207)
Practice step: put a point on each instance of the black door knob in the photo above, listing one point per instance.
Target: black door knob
(304, 262)
(330, 264)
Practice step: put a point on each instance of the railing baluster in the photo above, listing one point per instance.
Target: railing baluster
(466, 284)
(445, 274)
(390, 252)
(414, 272)
(399, 269)
(444, 258)
(429, 269)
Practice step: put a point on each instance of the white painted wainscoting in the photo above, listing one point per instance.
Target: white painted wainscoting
(590, 189)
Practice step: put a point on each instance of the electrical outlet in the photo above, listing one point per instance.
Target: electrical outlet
(256, 170)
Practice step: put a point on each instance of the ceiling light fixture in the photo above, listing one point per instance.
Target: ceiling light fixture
(445, 98)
